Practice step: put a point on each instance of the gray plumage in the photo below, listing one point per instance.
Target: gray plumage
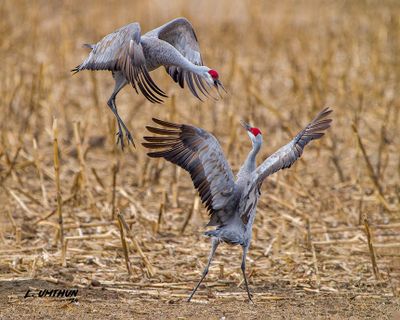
(130, 57)
(230, 202)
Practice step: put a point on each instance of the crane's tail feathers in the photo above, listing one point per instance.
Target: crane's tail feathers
(89, 46)
(76, 69)
(79, 67)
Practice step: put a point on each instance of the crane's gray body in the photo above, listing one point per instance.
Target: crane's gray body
(234, 231)
(231, 202)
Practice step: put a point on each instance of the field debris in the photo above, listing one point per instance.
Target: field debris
(77, 211)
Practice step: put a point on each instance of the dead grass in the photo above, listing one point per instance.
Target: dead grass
(328, 225)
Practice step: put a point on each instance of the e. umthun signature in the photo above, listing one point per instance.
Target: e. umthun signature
(70, 294)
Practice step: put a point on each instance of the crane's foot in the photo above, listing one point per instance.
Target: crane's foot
(129, 138)
(249, 294)
(251, 298)
(120, 138)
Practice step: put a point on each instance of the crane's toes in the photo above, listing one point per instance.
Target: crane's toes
(120, 139)
(130, 139)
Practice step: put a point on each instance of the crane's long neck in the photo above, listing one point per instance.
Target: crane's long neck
(176, 59)
(251, 158)
(250, 164)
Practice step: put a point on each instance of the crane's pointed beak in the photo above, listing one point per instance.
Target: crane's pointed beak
(245, 125)
(218, 84)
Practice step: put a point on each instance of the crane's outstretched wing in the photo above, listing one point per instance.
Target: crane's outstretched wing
(283, 158)
(288, 154)
(199, 153)
(180, 34)
(122, 51)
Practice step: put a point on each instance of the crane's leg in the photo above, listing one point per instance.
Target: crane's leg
(214, 246)
(243, 267)
(120, 82)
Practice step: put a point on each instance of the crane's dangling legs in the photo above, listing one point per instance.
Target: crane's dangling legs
(120, 82)
(243, 267)
(214, 245)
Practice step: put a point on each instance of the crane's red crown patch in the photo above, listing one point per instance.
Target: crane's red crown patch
(213, 74)
(255, 131)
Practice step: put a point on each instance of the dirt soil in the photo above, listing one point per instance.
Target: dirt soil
(101, 303)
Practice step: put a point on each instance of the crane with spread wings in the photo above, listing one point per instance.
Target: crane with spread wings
(130, 57)
(231, 202)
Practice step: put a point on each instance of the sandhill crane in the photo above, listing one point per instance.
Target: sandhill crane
(130, 57)
(231, 203)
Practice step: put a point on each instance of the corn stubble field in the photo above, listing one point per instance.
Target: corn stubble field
(326, 238)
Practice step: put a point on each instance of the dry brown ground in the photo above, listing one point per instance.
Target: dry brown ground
(101, 303)
(281, 62)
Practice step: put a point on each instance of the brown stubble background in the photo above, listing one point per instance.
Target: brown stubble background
(281, 62)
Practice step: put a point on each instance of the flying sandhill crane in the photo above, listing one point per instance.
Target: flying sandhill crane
(231, 203)
(130, 57)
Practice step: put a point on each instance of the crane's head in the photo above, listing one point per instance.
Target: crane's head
(253, 132)
(212, 78)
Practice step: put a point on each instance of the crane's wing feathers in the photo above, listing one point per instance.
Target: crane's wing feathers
(282, 159)
(288, 154)
(248, 201)
(122, 51)
(199, 153)
(181, 35)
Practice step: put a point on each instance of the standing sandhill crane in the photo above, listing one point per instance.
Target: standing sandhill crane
(231, 204)
(130, 57)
